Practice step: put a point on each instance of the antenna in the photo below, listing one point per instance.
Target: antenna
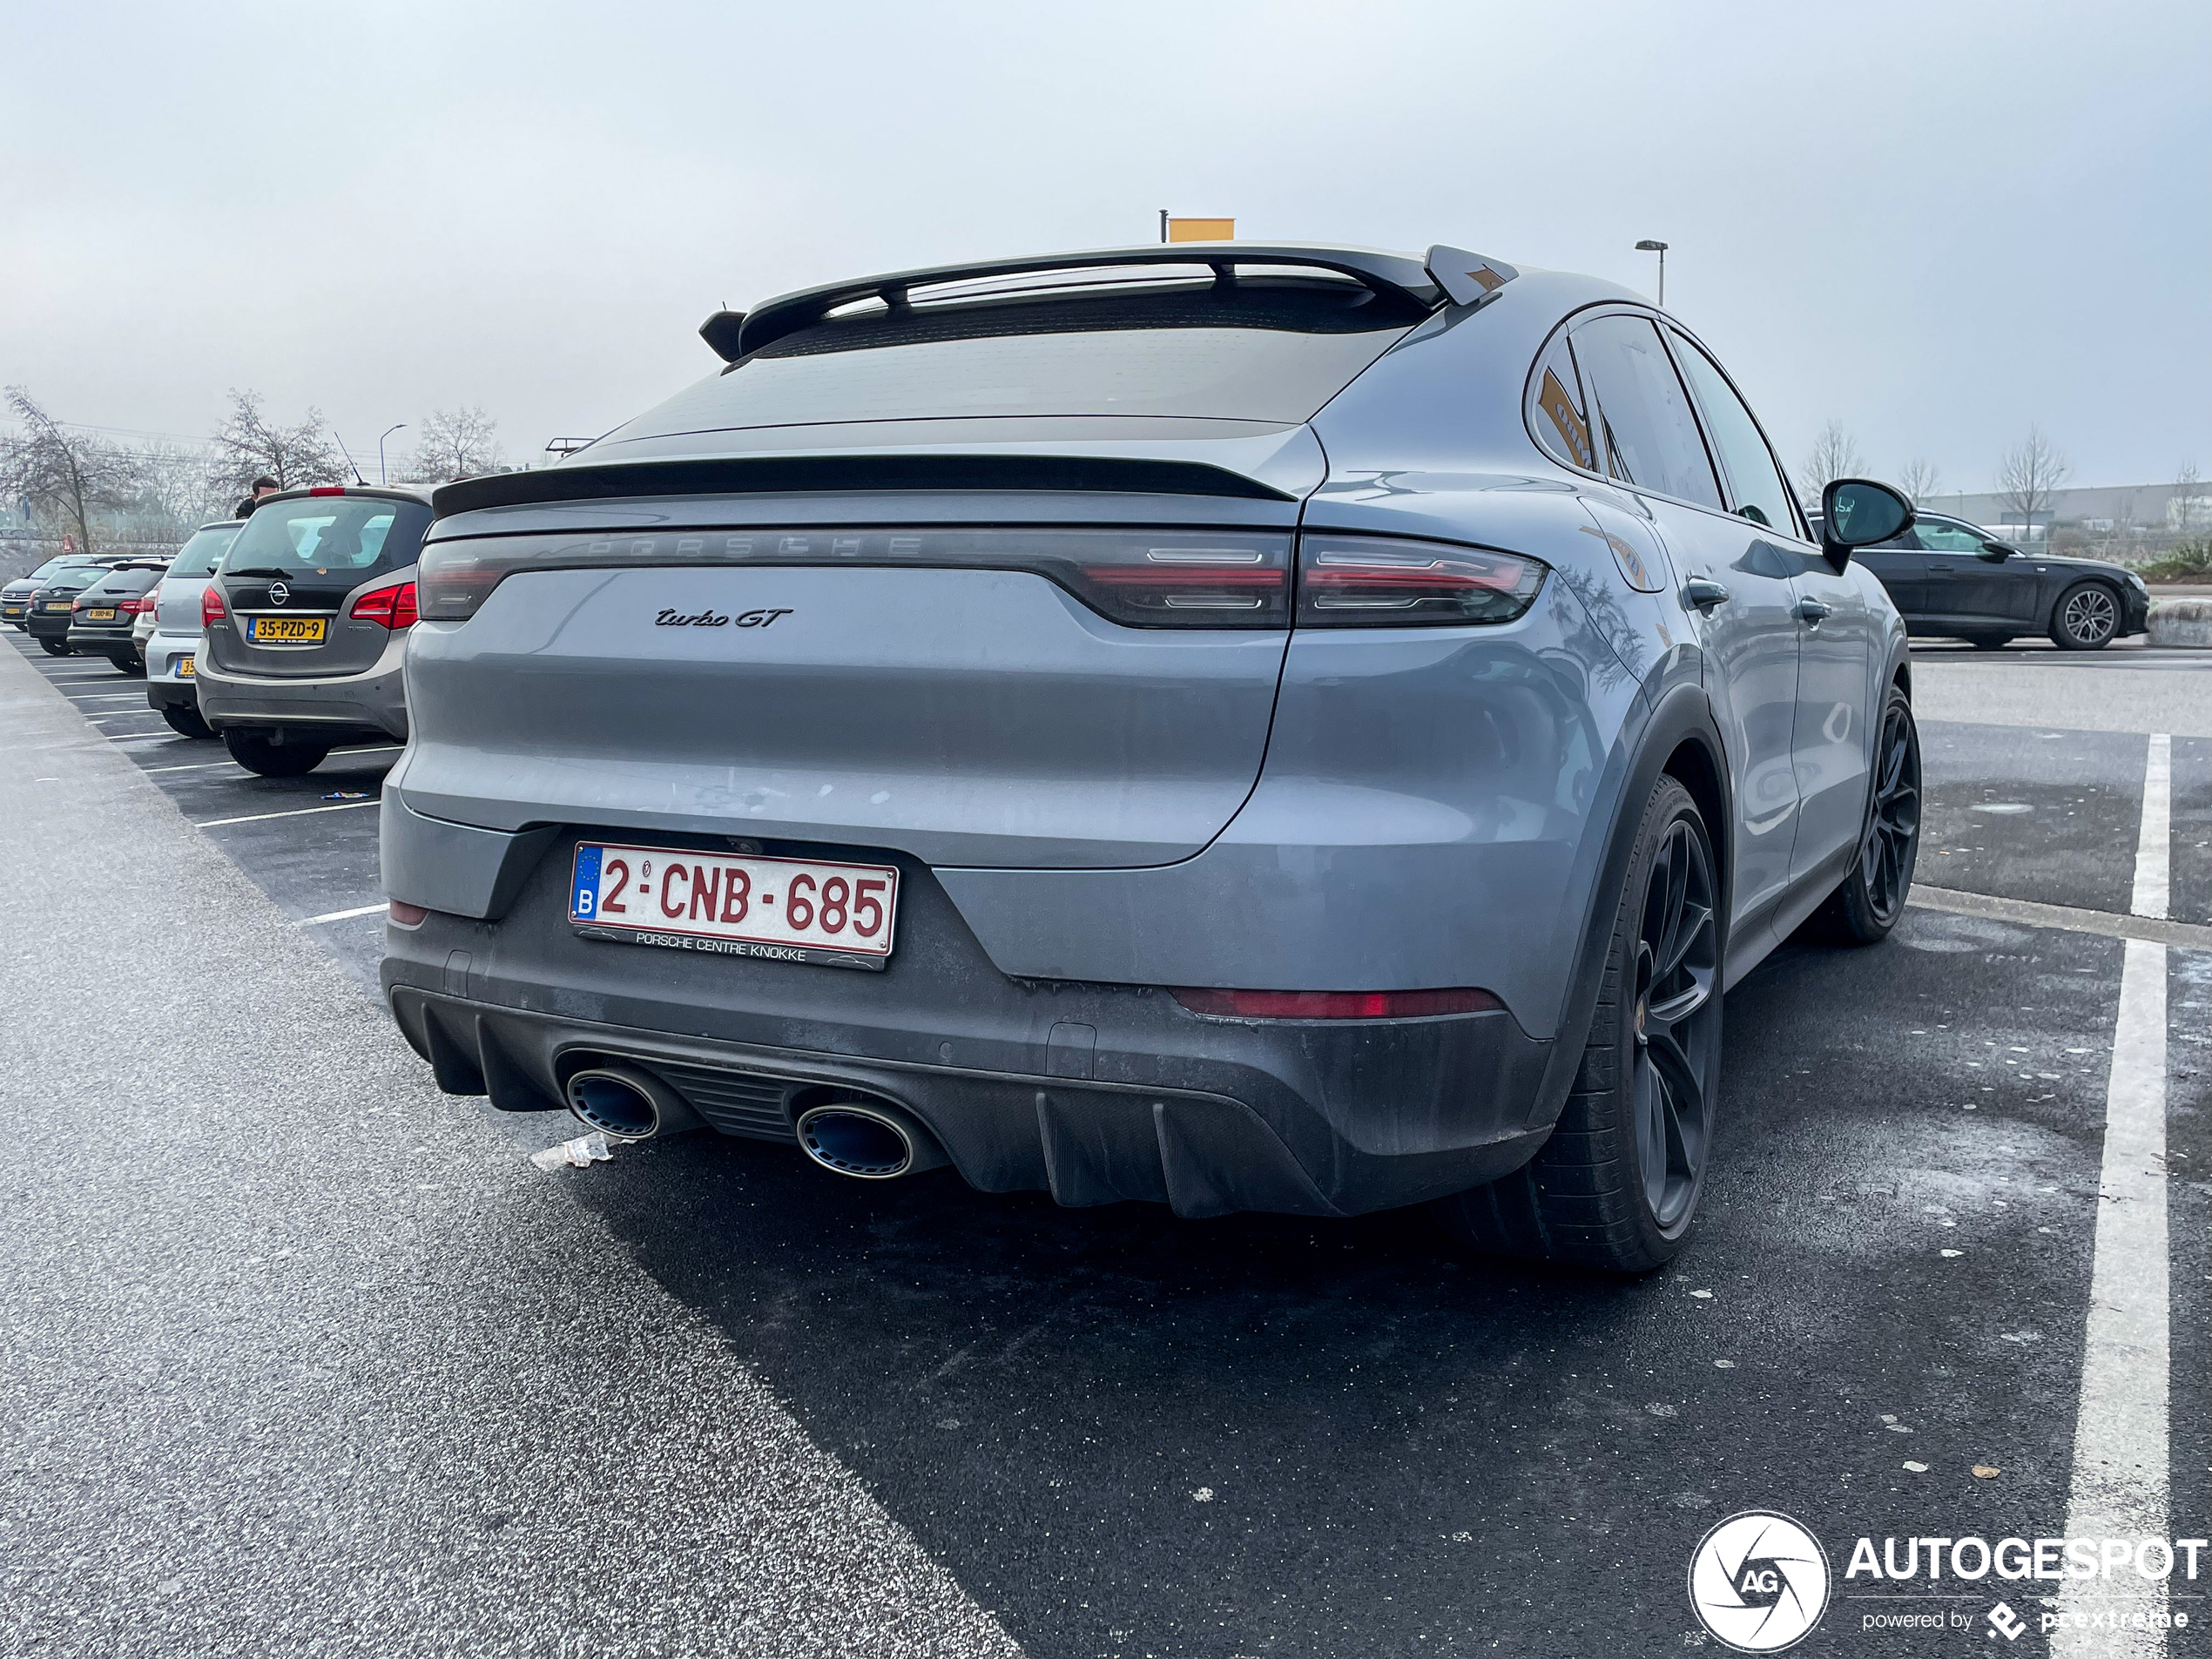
(348, 454)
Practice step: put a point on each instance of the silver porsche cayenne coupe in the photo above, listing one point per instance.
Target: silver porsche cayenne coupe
(1290, 728)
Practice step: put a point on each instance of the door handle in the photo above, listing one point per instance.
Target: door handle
(1942, 569)
(1812, 611)
(1702, 595)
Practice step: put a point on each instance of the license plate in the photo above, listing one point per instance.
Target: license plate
(291, 630)
(787, 910)
(100, 616)
(57, 604)
(183, 668)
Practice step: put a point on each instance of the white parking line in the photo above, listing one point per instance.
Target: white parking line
(2119, 1433)
(103, 697)
(205, 766)
(340, 915)
(297, 811)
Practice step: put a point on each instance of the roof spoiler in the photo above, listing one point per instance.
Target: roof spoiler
(1392, 276)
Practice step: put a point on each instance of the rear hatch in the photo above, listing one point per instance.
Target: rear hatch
(179, 611)
(99, 608)
(999, 582)
(303, 564)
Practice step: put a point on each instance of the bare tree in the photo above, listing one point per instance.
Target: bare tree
(171, 493)
(249, 444)
(1919, 481)
(2187, 510)
(1834, 455)
(2029, 477)
(65, 475)
(457, 443)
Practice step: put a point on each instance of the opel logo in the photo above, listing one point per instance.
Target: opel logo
(279, 593)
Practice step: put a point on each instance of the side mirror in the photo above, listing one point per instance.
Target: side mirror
(1857, 512)
(1998, 552)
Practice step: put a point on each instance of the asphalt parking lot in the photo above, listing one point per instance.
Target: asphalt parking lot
(302, 1357)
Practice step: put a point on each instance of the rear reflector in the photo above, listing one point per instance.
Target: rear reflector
(408, 915)
(1334, 1005)
(212, 608)
(389, 607)
(1381, 582)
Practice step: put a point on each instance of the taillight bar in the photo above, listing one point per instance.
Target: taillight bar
(392, 606)
(1381, 582)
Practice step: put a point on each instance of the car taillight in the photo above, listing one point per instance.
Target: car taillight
(1381, 582)
(392, 607)
(139, 606)
(212, 608)
(1333, 1005)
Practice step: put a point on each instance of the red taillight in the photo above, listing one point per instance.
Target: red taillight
(1377, 581)
(408, 915)
(1334, 1005)
(392, 607)
(327, 489)
(212, 608)
(138, 607)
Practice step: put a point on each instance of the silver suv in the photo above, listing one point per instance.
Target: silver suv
(1285, 728)
(305, 623)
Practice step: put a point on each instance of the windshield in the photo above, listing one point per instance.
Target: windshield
(1260, 351)
(197, 557)
(326, 535)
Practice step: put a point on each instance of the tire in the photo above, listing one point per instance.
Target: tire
(132, 665)
(1616, 1186)
(184, 719)
(2087, 618)
(1867, 904)
(290, 758)
(1989, 641)
(56, 647)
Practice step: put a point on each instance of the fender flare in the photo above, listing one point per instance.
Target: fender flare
(1681, 715)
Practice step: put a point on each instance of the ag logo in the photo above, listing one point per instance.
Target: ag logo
(1759, 1582)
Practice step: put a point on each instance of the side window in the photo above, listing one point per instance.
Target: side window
(1940, 537)
(1556, 412)
(1645, 431)
(1760, 493)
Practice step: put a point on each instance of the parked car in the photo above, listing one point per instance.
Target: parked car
(172, 647)
(1955, 580)
(1283, 728)
(305, 625)
(15, 598)
(46, 617)
(102, 616)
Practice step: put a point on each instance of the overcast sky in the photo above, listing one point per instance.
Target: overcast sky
(1936, 222)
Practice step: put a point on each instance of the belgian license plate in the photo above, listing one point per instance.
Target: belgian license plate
(786, 910)
(289, 630)
(183, 668)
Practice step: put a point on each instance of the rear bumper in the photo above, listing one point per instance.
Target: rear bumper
(1097, 1093)
(102, 640)
(374, 701)
(39, 625)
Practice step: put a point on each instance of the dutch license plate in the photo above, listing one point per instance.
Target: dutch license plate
(290, 630)
(791, 910)
(183, 668)
(100, 616)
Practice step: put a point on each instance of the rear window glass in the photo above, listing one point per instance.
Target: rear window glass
(76, 576)
(322, 534)
(197, 557)
(1256, 351)
(126, 582)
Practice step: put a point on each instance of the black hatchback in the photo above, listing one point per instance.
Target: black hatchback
(102, 616)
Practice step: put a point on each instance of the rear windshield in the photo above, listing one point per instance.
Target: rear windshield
(197, 557)
(76, 576)
(125, 582)
(1259, 350)
(323, 534)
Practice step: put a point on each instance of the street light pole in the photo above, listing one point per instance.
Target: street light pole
(383, 477)
(1660, 248)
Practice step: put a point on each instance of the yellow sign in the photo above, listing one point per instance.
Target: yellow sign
(1202, 230)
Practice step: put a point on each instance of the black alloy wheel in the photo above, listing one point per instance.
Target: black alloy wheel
(2085, 619)
(1868, 902)
(1616, 1186)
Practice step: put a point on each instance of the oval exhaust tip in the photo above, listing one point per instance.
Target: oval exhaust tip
(616, 1101)
(868, 1142)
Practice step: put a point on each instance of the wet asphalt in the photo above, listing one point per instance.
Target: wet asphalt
(1121, 1433)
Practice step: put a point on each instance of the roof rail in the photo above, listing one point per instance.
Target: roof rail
(1395, 276)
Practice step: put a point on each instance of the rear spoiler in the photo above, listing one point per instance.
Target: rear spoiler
(788, 474)
(1447, 274)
